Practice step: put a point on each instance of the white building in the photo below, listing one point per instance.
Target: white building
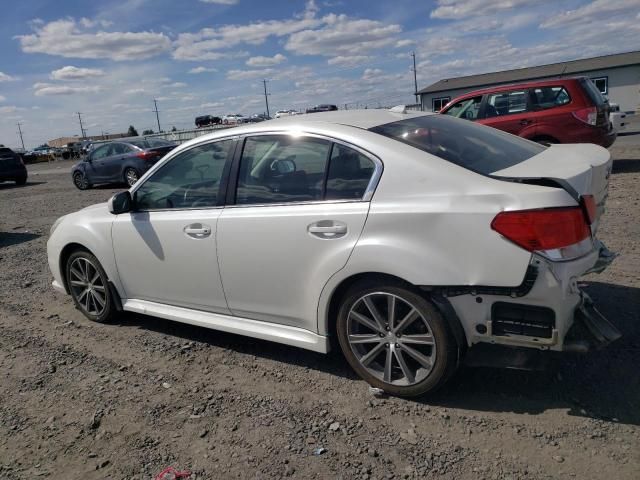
(616, 76)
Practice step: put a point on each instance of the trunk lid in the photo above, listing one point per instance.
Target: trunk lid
(580, 169)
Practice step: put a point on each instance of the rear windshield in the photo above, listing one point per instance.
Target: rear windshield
(151, 143)
(475, 147)
(592, 92)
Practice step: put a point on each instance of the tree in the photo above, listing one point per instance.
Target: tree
(147, 132)
(174, 129)
(132, 132)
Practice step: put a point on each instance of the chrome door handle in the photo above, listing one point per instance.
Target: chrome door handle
(197, 230)
(327, 229)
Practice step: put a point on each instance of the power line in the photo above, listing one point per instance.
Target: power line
(155, 102)
(82, 130)
(20, 132)
(266, 96)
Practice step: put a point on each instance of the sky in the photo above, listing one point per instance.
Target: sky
(110, 59)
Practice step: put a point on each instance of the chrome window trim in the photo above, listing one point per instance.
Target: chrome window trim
(378, 167)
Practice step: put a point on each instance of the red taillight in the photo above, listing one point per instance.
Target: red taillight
(587, 115)
(588, 203)
(539, 230)
(149, 156)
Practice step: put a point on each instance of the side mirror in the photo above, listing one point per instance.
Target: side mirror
(283, 166)
(120, 203)
(88, 159)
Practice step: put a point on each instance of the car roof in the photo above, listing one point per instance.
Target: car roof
(511, 86)
(367, 118)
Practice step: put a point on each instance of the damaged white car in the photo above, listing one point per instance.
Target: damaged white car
(408, 238)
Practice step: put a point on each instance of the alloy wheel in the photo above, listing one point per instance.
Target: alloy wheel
(132, 177)
(391, 339)
(87, 286)
(81, 181)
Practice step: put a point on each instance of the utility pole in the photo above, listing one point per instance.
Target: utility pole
(81, 127)
(155, 102)
(415, 78)
(346, 106)
(266, 96)
(21, 140)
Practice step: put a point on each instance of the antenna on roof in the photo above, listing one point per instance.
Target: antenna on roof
(564, 69)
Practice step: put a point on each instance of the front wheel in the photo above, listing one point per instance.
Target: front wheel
(80, 181)
(131, 176)
(21, 180)
(89, 287)
(395, 339)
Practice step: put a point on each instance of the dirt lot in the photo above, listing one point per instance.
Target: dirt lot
(123, 401)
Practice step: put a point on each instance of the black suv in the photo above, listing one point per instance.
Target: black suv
(322, 108)
(206, 120)
(11, 167)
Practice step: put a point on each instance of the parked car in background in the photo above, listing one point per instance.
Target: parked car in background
(257, 117)
(119, 162)
(286, 113)
(206, 120)
(565, 110)
(618, 118)
(233, 119)
(12, 167)
(409, 238)
(322, 108)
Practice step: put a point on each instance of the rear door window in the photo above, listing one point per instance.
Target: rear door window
(475, 147)
(549, 97)
(349, 174)
(506, 103)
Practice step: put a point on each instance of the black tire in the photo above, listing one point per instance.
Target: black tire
(131, 176)
(80, 181)
(99, 313)
(430, 324)
(21, 180)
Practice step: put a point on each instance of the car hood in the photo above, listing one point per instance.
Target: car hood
(581, 169)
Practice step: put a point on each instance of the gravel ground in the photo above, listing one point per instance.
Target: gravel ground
(123, 401)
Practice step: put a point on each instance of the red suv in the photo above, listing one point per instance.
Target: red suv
(566, 110)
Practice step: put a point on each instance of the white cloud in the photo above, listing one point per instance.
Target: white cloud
(68, 38)
(47, 89)
(177, 85)
(207, 43)
(197, 70)
(460, 9)
(594, 11)
(6, 78)
(342, 35)
(135, 91)
(10, 109)
(266, 61)
(349, 60)
(249, 74)
(221, 2)
(211, 105)
(404, 43)
(75, 73)
(2, 99)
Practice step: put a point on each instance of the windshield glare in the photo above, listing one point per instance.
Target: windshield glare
(475, 147)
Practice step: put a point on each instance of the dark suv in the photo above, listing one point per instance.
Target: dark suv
(11, 167)
(566, 110)
(206, 120)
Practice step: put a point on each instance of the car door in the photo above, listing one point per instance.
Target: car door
(113, 162)
(509, 111)
(299, 207)
(95, 164)
(165, 250)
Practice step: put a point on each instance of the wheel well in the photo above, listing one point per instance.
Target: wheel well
(64, 256)
(439, 302)
(545, 138)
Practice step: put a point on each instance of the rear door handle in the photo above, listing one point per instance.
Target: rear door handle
(327, 229)
(197, 230)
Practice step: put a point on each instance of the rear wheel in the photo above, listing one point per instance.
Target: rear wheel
(80, 181)
(131, 176)
(21, 180)
(395, 339)
(89, 287)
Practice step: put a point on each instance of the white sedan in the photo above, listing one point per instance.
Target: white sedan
(410, 238)
(233, 119)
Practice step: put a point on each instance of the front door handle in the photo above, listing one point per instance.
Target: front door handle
(197, 230)
(327, 229)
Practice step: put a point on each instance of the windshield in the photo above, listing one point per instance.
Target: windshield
(475, 147)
